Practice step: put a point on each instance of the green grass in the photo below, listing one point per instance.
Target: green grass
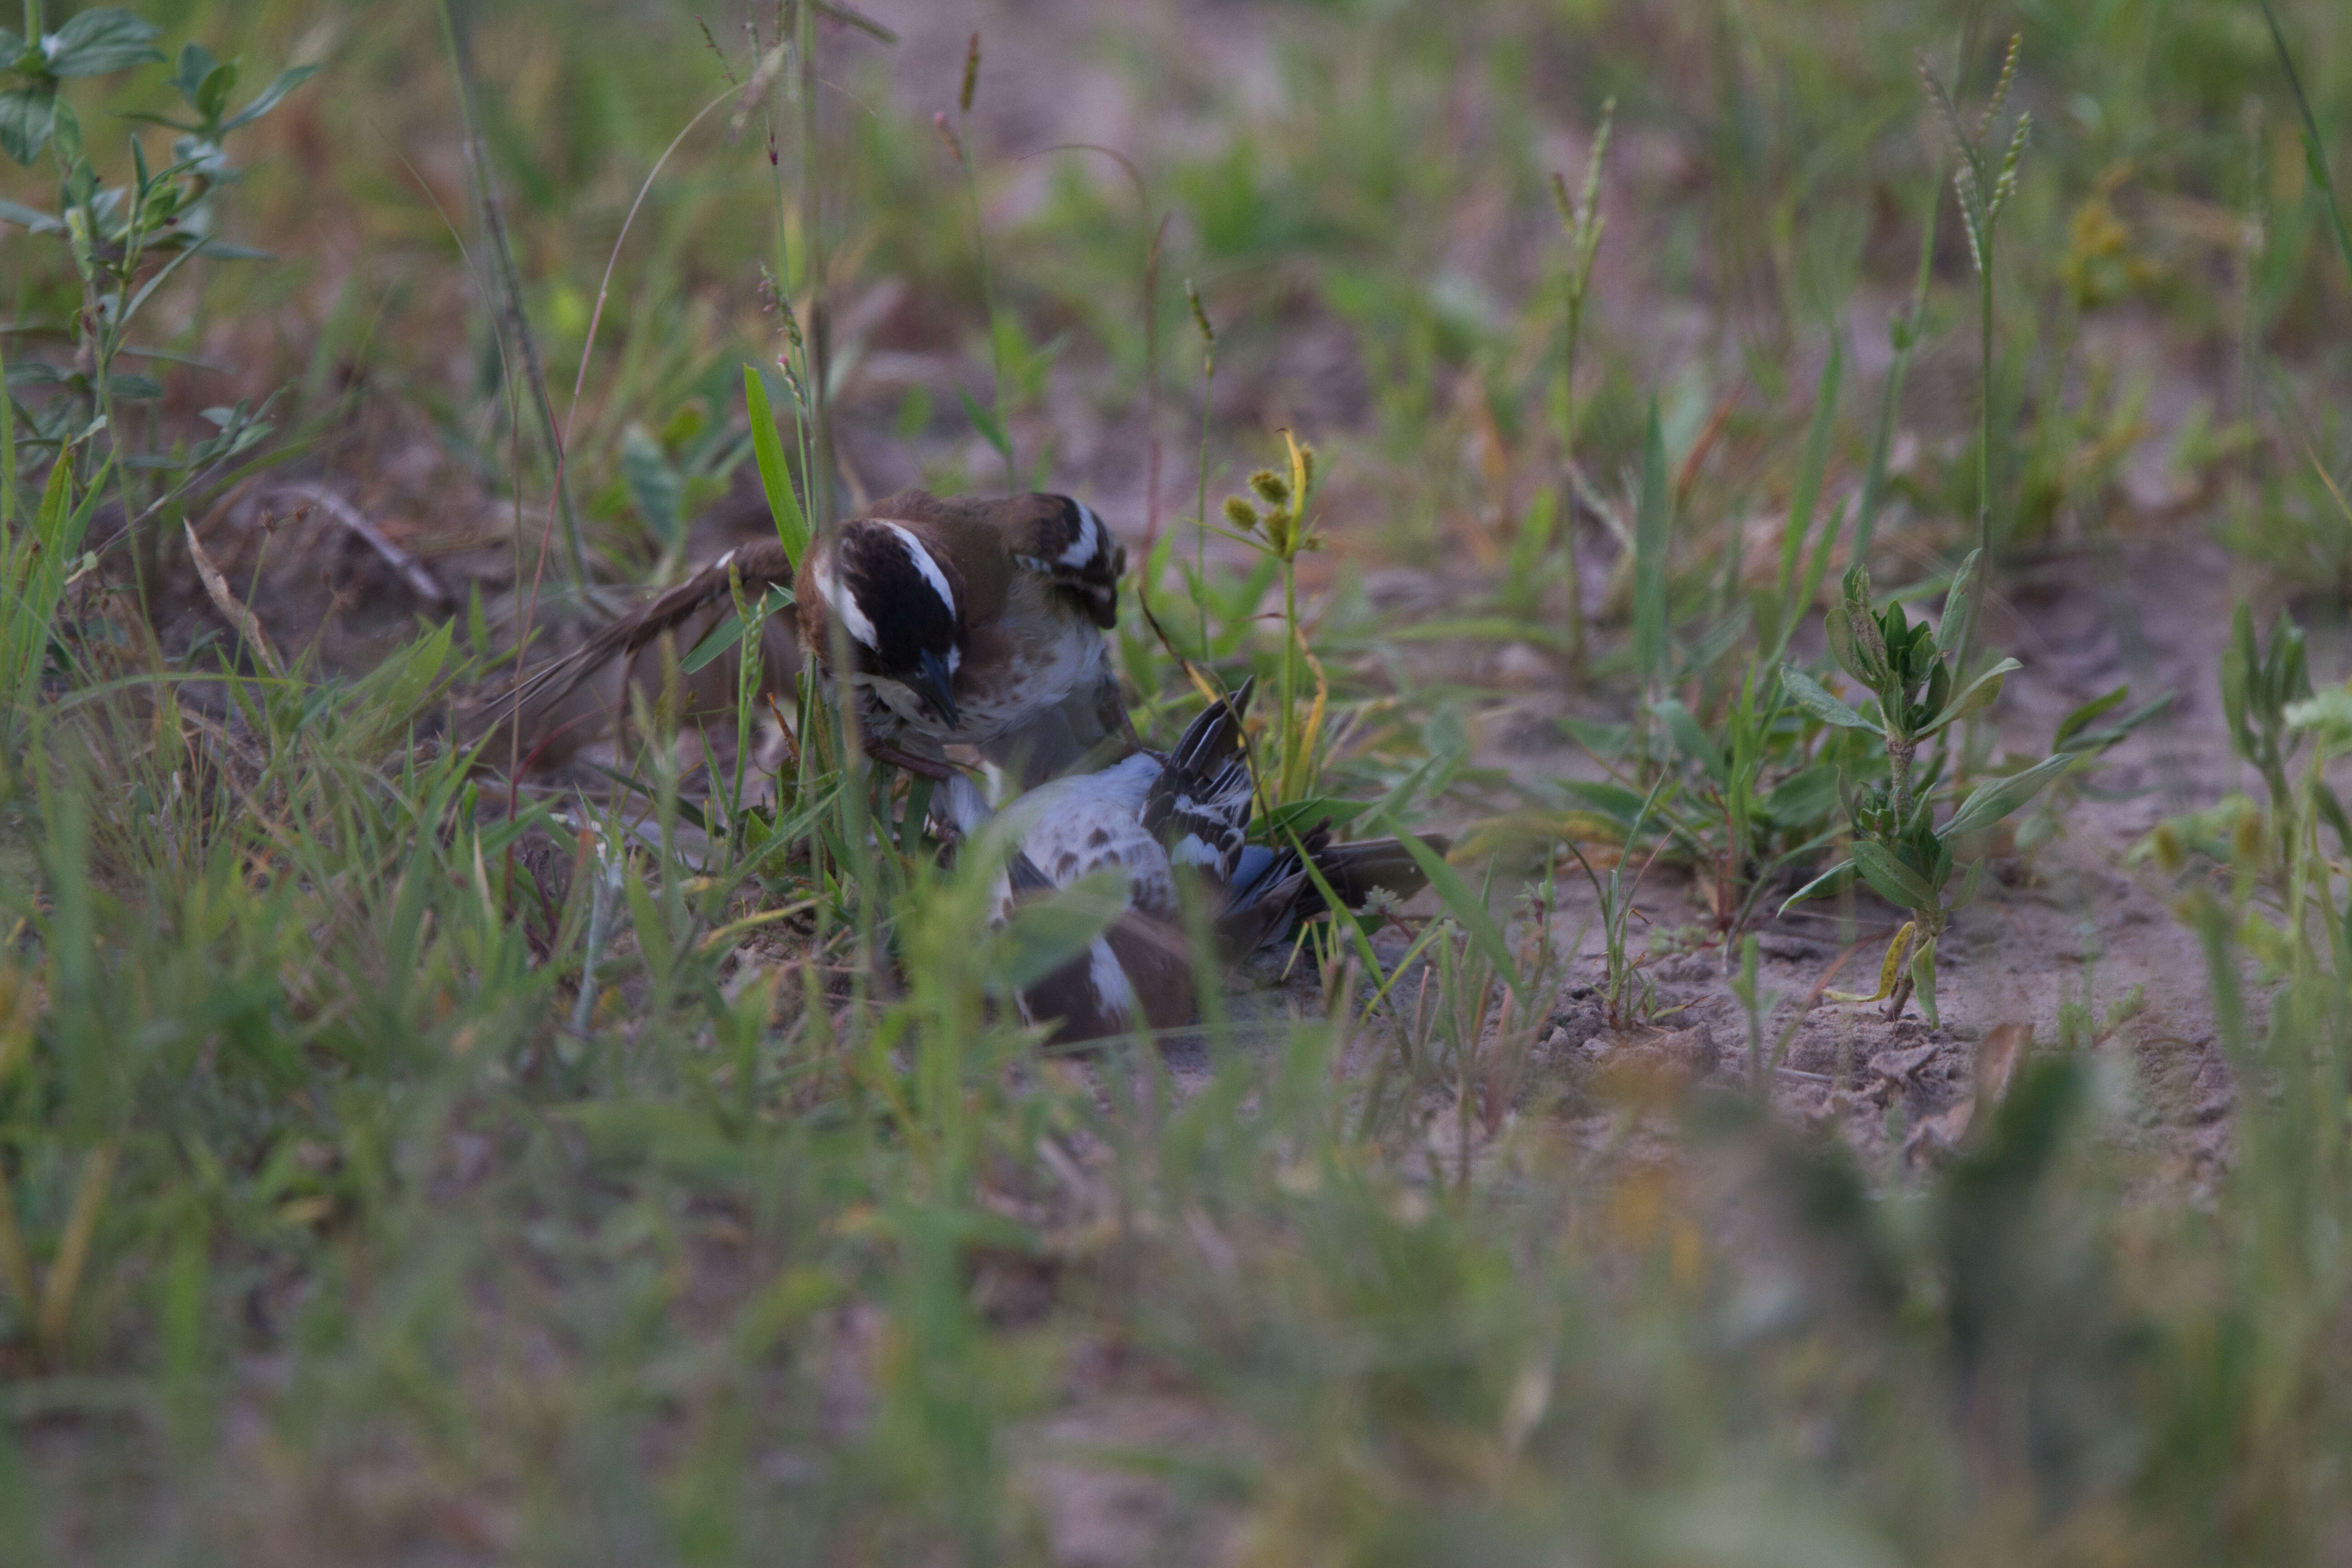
(398, 1165)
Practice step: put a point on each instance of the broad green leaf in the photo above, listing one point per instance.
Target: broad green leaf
(1467, 909)
(212, 93)
(775, 479)
(2081, 717)
(26, 113)
(1969, 884)
(2238, 664)
(1690, 738)
(96, 42)
(286, 82)
(1653, 523)
(65, 132)
(2286, 675)
(1996, 798)
(1923, 980)
(983, 419)
(1833, 881)
(1976, 696)
(196, 63)
(28, 218)
(656, 487)
(1839, 625)
(1603, 740)
(1802, 797)
(1960, 606)
(1891, 879)
(1816, 699)
(2083, 742)
(1612, 800)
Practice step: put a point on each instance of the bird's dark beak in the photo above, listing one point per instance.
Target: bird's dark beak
(935, 684)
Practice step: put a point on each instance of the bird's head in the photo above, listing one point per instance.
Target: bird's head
(900, 605)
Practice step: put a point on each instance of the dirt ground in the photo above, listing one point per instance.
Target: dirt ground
(346, 564)
(2070, 922)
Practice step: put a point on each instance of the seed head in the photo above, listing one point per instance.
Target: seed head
(1200, 315)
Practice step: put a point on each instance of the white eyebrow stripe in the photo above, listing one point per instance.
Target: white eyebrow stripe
(1089, 544)
(924, 563)
(843, 605)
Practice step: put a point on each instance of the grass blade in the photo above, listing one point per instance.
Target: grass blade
(1811, 471)
(1654, 522)
(1466, 908)
(2314, 148)
(768, 451)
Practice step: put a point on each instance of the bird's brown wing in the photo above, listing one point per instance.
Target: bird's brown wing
(759, 566)
(1071, 547)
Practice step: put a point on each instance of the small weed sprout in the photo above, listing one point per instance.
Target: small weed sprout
(1897, 848)
(1275, 523)
(115, 235)
(2264, 689)
(1627, 995)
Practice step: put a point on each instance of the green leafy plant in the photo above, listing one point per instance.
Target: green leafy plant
(1898, 847)
(1274, 520)
(1627, 994)
(2261, 688)
(125, 243)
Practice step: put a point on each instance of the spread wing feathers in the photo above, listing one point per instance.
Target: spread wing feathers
(1065, 541)
(1272, 890)
(760, 566)
(1137, 974)
(1199, 806)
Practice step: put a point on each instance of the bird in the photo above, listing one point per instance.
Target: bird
(1153, 819)
(961, 620)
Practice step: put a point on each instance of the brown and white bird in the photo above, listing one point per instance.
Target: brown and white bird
(1156, 818)
(961, 621)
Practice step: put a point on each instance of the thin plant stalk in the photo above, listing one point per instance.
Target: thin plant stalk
(962, 144)
(511, 288)
(1585, 226)
(1200, 515)
(1984, 189)
(1906, 333)
(820, 322)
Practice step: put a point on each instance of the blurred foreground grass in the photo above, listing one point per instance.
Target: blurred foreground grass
(327, 1236)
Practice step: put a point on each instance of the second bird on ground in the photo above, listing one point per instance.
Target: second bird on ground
(964, 621)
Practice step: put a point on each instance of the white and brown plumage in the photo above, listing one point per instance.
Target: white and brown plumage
(1156, 818)
(962, 621)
